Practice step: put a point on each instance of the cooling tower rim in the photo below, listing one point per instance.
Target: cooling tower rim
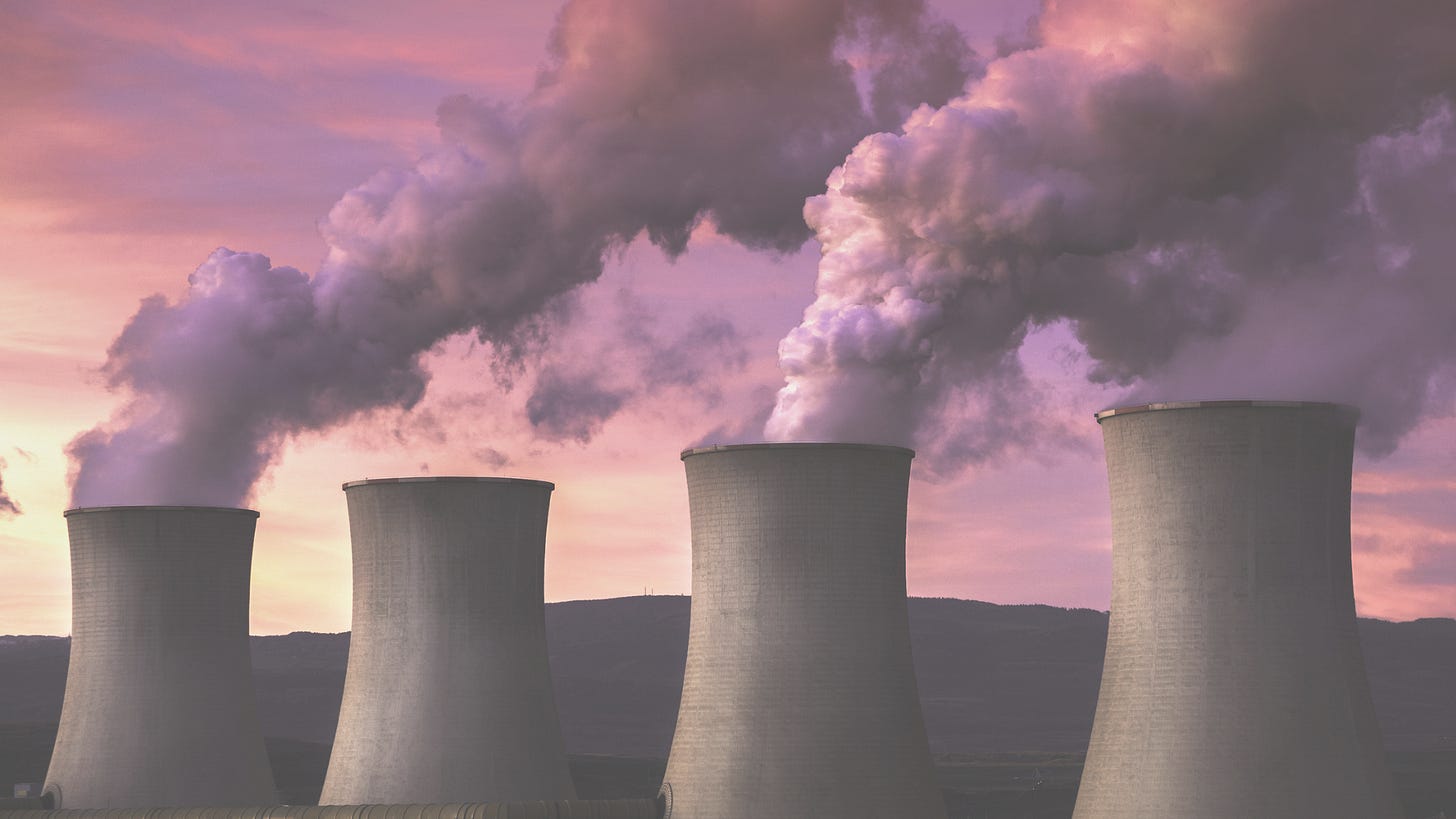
(448, 479)
(1342, 409)
(704, 450)
(145, 508)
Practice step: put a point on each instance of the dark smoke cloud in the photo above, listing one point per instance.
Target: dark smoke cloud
(571, 405)
(1222, 200)
(651, 116)
(8, 507)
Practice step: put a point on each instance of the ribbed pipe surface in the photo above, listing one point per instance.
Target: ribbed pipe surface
(580, 809)
(1234, 684)
(159, 706)
(799, 695)
(448, 696)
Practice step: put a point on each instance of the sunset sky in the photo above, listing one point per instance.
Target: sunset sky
(138, 139)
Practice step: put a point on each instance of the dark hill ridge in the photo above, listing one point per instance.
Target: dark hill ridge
(992, 678)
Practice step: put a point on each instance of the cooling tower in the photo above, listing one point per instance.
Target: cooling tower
(448, 693)
(1234, 683)
(799, 694)
(159, 708)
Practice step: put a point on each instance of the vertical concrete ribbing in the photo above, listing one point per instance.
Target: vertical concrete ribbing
(799, 695)
(159, 705)
(448, 693)
(1234, 683)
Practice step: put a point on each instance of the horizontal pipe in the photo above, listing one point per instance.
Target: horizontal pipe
(563, 809)
(45, 801)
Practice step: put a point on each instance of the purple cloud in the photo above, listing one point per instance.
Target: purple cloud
(650, 116)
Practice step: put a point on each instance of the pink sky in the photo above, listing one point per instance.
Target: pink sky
(137, 142)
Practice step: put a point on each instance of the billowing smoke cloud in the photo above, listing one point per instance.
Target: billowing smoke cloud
(651, 116)
(1229, 199)
(8, 507)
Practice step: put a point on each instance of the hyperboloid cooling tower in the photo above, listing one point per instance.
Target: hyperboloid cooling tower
(448, 692)
(799, 694)
(159, 708)
(1234, 683)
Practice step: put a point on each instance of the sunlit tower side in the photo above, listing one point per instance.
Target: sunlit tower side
(1234, 683)
(448, 695)
(799, 695)
(159, 706)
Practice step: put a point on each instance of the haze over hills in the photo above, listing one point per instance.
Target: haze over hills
(992, 678)
(1008, 694)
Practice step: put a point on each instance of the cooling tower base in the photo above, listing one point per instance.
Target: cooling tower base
(1233, 683)
(448, 696)
(159, 706)
(799, 695)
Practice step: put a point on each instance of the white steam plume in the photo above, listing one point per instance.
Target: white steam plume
(1242, 198)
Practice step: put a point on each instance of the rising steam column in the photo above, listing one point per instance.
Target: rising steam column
(159, 707)
(799, 694)
(448, 692)
(1234, 683)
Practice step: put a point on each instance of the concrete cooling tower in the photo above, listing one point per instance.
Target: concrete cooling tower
(799, 694)
(1234, 683)
(159, 708)
(448, 692)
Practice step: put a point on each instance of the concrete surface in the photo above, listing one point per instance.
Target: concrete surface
(799, 694)
(1233, 683)
(448, 696)
(159, 705)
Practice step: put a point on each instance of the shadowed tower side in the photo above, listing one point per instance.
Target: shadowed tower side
(159, 708)
(1234, 683)
(799, 694)
(448, 695)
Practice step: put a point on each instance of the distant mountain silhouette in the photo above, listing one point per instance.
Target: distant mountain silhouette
(992, 678)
